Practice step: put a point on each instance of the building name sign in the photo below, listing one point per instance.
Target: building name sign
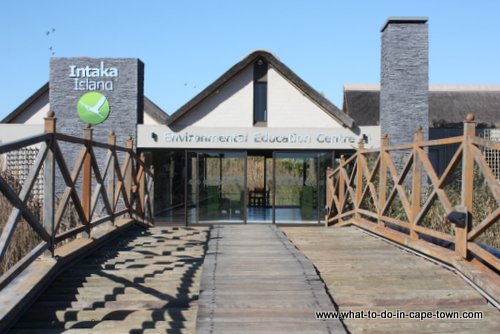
(93, 78)
(161, 136)
(260, 137)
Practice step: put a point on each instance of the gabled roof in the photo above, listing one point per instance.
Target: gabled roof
(154, 111)
(286, 72)
(448, 104)
(149, 107)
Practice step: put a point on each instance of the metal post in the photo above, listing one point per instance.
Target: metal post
(87, 179)
(111, 173)
(275, 184)
(245, 191)
(185, 174)
(49, 183)
(129, 174)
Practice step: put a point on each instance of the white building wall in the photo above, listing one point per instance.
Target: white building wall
(232, 106)
(14, 132)
(149, 120)
(289, 107)
(35, 112)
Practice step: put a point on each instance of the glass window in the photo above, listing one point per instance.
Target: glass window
(260, 102)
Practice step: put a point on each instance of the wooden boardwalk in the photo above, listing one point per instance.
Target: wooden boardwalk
(365, 273)
(255, 281)
(146, 281)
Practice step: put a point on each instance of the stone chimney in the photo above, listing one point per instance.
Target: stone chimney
(404, 79)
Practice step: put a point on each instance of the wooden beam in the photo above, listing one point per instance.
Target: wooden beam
(461, 247)
(491, 219)
(10, 225)
(416, 183)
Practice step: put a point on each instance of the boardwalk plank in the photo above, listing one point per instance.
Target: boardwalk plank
(365, 273)
(255, 281)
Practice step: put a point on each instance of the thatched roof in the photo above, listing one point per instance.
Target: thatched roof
(448, 104)
(281, 68)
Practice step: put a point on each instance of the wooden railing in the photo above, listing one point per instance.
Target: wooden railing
(99, 191)
(397, 193)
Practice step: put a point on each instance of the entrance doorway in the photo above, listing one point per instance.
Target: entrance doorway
(259, 185)
(216, 186)
(299, 186)
(265, 186)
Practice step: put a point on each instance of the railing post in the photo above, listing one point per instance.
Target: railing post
(341, 188)
(382, 197)
(111, 173)
(87, 179)
(467, 186)
(49, 197)
(129, 174)
(359, 176)
(416, 184)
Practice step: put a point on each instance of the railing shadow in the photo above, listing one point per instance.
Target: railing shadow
(168, 304)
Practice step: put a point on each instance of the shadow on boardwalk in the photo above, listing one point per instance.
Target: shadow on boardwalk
(144, 281)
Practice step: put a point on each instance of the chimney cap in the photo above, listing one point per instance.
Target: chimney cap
(403, 20)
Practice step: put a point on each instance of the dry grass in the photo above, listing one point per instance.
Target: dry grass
(484, 204)
(24, 238)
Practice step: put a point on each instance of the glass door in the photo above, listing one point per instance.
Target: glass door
(259, 185)
(299, 179)
(217, 186)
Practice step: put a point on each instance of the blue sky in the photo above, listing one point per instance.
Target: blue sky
(187, 44)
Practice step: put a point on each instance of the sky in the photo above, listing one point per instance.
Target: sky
(187, 44)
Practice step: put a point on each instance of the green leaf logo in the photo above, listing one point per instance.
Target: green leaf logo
(93, 108)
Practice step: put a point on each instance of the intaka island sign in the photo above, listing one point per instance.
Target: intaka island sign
(93, 77)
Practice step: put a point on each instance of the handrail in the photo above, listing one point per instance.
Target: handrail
(379, 196)
(122, 184)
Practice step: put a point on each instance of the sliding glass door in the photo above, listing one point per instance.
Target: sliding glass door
(299, 184)
(216, 186)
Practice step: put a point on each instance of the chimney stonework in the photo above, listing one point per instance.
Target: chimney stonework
(404, 79)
